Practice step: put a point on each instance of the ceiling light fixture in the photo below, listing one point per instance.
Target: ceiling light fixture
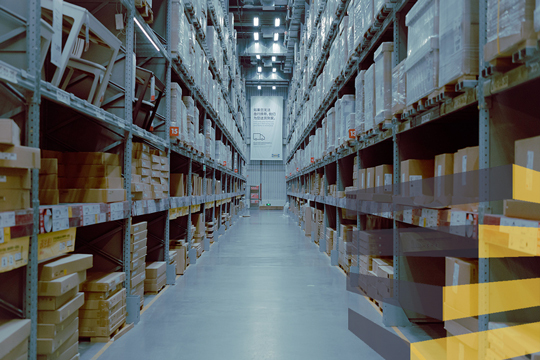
(259, 69)
(273, 58)
(259, 87)
(255, 21)
(276, 36)
(146, 34)
(256, 36)
(273, 69)
(277, 22)
(273, 88)
(258, 57)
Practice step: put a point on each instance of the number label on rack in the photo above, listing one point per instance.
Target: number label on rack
(8, 74)
(63, 96)
(175, 131)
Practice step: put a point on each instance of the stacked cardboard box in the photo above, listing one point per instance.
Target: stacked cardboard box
(14, 336)
(198, 221)
(139, 238)
(331, 237)
(15, 163)
(156, 276)
(181, 255)
(151, 169)
(210, 228)
(160, 174)
(173, 258)
(58, 305)
(48, 178)
(399, 88)
(344, 243)
(104, 310)
(465, 185)
(90, 177)
(178, 185)
(319, 219)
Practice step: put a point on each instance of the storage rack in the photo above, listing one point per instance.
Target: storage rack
(61, 121)
(484, 115)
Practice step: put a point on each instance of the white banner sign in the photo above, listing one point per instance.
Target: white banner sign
(266, 128)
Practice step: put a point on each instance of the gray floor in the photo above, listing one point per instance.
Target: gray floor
(263, 291)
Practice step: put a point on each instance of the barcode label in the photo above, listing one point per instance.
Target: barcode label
(7, 219)
(60, 224)
(63, 96)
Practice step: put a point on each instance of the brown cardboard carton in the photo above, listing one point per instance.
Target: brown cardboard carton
(55, 302)
(135, 178)
(144, 164)
(136, 228)
(140, 277)
(59, 315)
(461, 272)
(155, 269)
(383, 179)
(49, 331)
(15, 179)
(14, 199)
(141, 155)
(16, 249)
(154, 285)
(49, 197)
(21, 157)
(104, 322)
(61, 285)
(136, 237)
(141, 147)
(75, 171)
(138, 245)
(91, 183)
(19, 352)
(466, 161)
(92, 195)
(101, 282)
(527, 153)
(137, 271)
(145, 195)
(522, 209)
(67, 351)
(138, 253)
(49, 154)
(66, 265)
(370, 180)
(103, 295)
(47, 346)
(102, 331)
(362, 179)
(134, 264)
(12, 333)
(444, 169)
(119, 297)
(144, 172)
(104, 313)
(10, 133)
(412, 172)
(48, 181)
(48, 167)
(181, 260)
(91, 158)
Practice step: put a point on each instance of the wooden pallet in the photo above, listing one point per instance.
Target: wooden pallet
(115, 335)
(155, 292)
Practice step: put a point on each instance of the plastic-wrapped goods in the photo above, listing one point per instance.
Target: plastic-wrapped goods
(367, 15)
(378, 5)
(330, 129)
(359, 98)
(176, 110)
(190, 133)
(358, 13)
(179, 28)
(399, 84)
(423, 74)
(537, 16)
(208, 125)
(324, 137)
(351, 126)
(348, 104)
(423, 24)
(369, 98)
(458, 39)
(337, 124)
(383, 82)
(200, 142)
(512, 22)
(196, 122)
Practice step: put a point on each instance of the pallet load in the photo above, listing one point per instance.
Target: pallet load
(156, 277)
(510, 27)
(190, 119)
(422, 63)
(103, 314)
(399, 89)
(178, 185)
(59, 301)
(210, 228)
(458, 45)
(14, 335)
(160, 174)
(330, 239)
(330, 130)
(178, 114)
(138, 242)
(91, 177)
(369, 99)
(344, 242)
(48, 178)
(141, 178)
(181, 252)
(15, 166)
(173, 258)
(198, 221)
(383, 84)
(348, 104)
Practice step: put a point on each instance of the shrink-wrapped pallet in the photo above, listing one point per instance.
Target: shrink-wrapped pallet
(359, 98)
(324, 137)
(458, 44)
(338, 124)
(178, 112)
(351, 126)
(383, 82)
(347, 108)
(369, 98)
(399, 85)
(330, 129)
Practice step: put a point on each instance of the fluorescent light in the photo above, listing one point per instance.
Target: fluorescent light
(259, 69)
(256, 36)
(273, 69)
(255, 21)
(273, 88)
(277, 22)
(146, 34)
(276, 36)
(273, 58)
(258, 57)
(259, 87)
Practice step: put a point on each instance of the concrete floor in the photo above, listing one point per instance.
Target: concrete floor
(263, 291)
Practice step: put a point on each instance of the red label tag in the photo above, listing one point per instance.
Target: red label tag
(174, 131)
(352, 133)
(312, 160)
(224, 163)
(296, 169)
(235, 170)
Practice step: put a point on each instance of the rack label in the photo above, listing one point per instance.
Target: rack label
(61, 224)
(174, 131)
(8, 74)
(63, 96)
(7, 219)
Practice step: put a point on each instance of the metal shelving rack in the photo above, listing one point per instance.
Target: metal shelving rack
(489, 106)
(118, 134)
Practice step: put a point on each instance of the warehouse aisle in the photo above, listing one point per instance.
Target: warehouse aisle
(263, 291)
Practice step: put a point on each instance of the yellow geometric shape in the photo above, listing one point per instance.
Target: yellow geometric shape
(503, 296)
(526, 184)
(509, 240)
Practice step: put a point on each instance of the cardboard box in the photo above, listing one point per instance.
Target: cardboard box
(49, 331)
(181, 259)
(14, 199)
(49, 197)
(154, 285)
(14, 253)
(104, 322)
(370, 180)
(465, 162)
(155, 269)
(15, 179)
(141, 147)
(47, 346)
(136, 237)
(383, 179)
(527, 153)
(92, 195)
(101, 282)
(56, 243)
(119, 297)
(75, 171)
(522, 209)
(461, 272)
(10, 133)
(49, 154)
(138, 253)
(141, 155)
(101, 331)
(59, 315)
(19, 352)
(49, 167)
(361, 179)
(412, 172)
(138, 245)
(136, 228)
(66, 265)
(140, 163)
(91, 183)
(145, 195)
(48, 181)
(140, 277)
(12, 333)
(104, 313)
(138, 270)
(67, 351)
(20, 157)
(55, 302)
(104, 295)
(138, 262)
(91, 158)
(61, 285)
(444, 170)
